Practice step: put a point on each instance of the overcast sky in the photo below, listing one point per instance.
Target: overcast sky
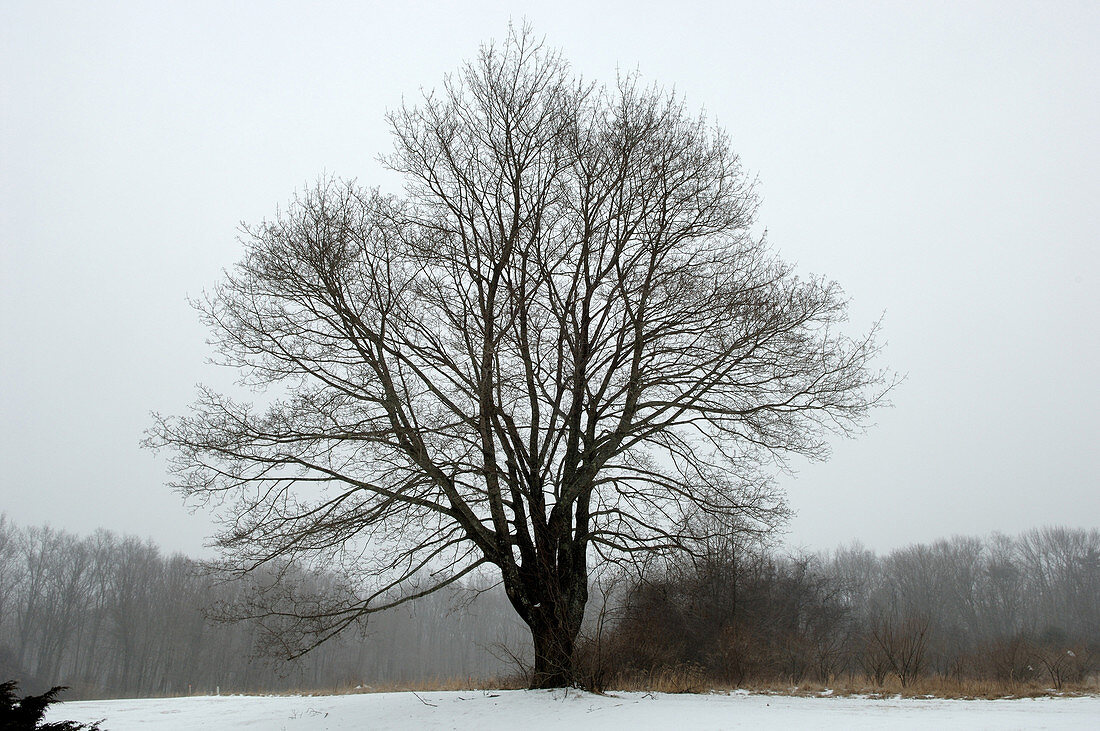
(941, 161)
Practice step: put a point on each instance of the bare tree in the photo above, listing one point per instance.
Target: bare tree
(563, 344)
(902, 641)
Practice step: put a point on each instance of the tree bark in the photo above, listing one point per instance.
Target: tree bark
(554, 644)
(554, 610)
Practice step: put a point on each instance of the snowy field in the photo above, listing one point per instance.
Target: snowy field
(519, 710)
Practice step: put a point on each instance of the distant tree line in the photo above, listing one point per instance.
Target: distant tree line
(113, 616)
(1015, 610)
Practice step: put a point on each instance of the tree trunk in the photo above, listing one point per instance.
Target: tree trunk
(555, 622)
(554, 644)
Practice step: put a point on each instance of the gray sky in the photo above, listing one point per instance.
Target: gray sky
(939, 160)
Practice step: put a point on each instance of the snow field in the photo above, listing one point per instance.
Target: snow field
(518, 710)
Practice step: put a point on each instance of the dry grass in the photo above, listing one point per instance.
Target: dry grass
(688, 679)
(428, 685)
(679, 679)
(927, 687)
(691, 679)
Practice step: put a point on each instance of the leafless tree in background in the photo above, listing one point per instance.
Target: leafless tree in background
(563, 344)
(902, 641)
(111, 616)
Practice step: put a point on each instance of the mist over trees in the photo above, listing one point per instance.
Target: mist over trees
(1015, 610)
(113, 616)
(563, 347)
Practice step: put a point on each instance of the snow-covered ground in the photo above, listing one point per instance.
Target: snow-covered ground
(519, 710)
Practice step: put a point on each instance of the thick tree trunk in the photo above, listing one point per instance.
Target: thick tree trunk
(554, 644)
(555, 622)
(549, 591)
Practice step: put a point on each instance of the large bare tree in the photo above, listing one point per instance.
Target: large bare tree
(562, 345)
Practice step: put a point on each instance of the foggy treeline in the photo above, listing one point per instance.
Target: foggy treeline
(113, 616)
(1009, 609)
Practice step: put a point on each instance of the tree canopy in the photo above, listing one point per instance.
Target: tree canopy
(562, 345)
